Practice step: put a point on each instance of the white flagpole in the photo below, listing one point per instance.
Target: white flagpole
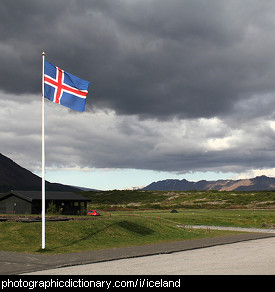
(43, 156)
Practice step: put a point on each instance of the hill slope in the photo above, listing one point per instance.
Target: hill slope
(259, 183)
(15, 177)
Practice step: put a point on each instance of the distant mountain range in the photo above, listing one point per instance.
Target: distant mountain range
(15, 177)
(259, 183)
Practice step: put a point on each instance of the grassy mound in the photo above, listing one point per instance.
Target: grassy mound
(83, 235)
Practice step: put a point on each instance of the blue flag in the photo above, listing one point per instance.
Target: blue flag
(64, 88)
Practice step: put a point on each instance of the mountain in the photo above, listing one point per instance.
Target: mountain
(259, 183)
(133, 188)
(15, 177)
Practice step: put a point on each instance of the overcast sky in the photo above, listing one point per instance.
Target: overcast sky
(179, 89)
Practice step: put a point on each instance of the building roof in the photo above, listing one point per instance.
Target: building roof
(55, 196)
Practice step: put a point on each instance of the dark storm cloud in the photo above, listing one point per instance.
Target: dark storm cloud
(179, 85)
(151, 58)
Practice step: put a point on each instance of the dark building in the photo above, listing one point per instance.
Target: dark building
(30, 202)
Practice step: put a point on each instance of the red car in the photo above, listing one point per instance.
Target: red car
(93, 213)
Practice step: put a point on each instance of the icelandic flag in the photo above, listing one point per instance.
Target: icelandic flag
(64, 88)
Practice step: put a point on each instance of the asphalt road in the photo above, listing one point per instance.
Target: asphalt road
(253, 257)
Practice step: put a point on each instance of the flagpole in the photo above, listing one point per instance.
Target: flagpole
(43, 156)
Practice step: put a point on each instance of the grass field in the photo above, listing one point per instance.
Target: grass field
(124, 228)
(163, 200)
(216, 217)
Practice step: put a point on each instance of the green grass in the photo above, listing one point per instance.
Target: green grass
(115, 200)
(83, 235)
(126, 228)
(223, 217)
(145, 219)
